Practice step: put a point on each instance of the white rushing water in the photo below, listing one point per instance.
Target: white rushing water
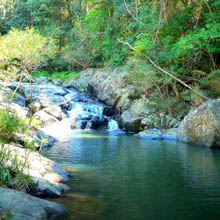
(85, 114)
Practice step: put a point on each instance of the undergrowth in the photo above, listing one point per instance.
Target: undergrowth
(63, 76)
(11, 166)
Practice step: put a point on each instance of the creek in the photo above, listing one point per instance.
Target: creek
(116, 176)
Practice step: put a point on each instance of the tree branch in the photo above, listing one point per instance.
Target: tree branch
(165, 72)
(128, 10)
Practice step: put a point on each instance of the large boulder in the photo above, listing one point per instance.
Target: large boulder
(22, 206)
(130, 122)
(202, 126)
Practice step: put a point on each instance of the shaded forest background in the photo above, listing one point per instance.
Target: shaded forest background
(180, 36)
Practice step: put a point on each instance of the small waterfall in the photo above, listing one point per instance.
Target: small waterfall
(86, 113)
(113, 125)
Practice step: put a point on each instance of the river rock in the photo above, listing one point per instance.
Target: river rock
(202, 126)
(85, 76)
(34, 137)
(130, 122)
(43, 80)
(6, 96)
(37, 165)
(42, 135)
(170, 134)
(152, 121)
(44, 118)
(43, 188)
(20, 111)
(156, 134)
(23, 206)
(150, 134)
(67, 106)
(46, 94)
(56, 112)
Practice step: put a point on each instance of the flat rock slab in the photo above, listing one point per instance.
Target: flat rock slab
(156, 134)
(150, 134)
(26, 207)
(39, 166)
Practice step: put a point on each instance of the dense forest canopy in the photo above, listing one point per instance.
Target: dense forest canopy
(180, 36)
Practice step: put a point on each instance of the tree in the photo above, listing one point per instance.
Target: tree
(26, 49)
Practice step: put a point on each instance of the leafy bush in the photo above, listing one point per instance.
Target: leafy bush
(77, 52)
(10, 124)
(4, 214)
(11, 170)
(65, 75)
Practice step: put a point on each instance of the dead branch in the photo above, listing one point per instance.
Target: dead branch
(128, 10)
(167, 73)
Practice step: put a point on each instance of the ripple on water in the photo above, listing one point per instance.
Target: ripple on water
(120, 177)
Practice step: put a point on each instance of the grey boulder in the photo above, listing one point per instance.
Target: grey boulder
(23, 206)
(202, 126)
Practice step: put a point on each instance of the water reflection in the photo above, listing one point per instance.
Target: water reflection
(119, 177)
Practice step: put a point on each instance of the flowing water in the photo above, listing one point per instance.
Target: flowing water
(115, 176)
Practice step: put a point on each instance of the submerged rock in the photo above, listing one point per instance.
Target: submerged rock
(22, 206)
(202, 126)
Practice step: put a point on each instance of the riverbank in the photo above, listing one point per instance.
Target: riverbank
(50, 104)
(44, 178)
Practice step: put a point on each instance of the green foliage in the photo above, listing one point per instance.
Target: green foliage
(144, 43)
(182, 37)
(12, 170)
(4, 214)
(26, 49)
(65, 75)
(212, 82)
(11, 167)
(10, 124)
